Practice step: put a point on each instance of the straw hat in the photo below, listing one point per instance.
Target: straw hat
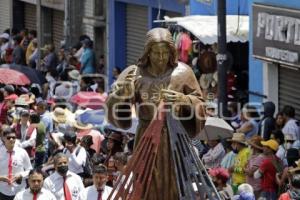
(272, 144)
(255, 142)
(82, 126)
(20, 102)
(29, 99)
(238, 137)
(59, 115)
(74, 74)
(295, 169)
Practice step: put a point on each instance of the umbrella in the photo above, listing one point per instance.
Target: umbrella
(9, 76)
(33, 75)
(95, 117)
(91, 100)
(132, 129)
(215, 128)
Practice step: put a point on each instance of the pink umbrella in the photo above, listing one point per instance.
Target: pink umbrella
(91, 100)
(9, 76)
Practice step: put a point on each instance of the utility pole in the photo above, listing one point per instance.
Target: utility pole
(11, 16)
(67, 28)
(221, 58)
(39, 31)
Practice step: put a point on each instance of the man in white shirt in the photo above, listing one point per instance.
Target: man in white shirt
(215, 154)
(98, 190)
(65, 185)
(75, 153)
(291, 125)
(26, 133)
(35, 190)
(14, 166)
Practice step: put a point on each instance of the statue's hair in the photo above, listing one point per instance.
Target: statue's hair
(158, 35)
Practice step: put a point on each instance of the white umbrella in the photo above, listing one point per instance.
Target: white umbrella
(215, 128)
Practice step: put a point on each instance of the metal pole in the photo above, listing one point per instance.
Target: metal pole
(221, 58)
(67, 32)
(11, 14)
(39, 31)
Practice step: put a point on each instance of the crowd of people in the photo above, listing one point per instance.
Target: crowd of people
(41, 134)
(261, 160)
(78, 159)
(47, 152)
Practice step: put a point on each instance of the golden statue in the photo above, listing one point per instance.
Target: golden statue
(158, 76)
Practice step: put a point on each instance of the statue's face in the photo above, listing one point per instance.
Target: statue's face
(159, 55)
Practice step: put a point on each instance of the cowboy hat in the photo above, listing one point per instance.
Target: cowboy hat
(272, 144)
(20, 102)
(238, 137)
(28, 99)
(115, 136)
(74, 74)
(295, 169)
(255, 142)
(82, 126)
(59, 115)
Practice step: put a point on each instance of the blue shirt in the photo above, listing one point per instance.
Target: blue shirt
(87, 62)
(47, 120)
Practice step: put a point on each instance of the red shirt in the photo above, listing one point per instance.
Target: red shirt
(268, 179)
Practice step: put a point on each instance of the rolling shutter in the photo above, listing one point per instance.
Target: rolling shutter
(5, 15)
(136, 29)
(30, 16)
(289, 89)
(57, 27)
(89, 12)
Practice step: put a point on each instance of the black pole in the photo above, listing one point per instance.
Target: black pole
(221, 58)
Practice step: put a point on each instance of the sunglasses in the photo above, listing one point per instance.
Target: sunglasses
(10, 137)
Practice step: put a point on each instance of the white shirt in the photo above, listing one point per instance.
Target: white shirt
(20, 166)
(42, 195)
(55, 184)
(214, 156)
(281, 154)
(3, 49)
(76, 162)
(292, 128)
(91, 193)
(31, 141)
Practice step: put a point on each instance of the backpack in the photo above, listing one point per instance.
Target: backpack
(87, 167)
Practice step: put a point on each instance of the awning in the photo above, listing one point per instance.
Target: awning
(205, 27)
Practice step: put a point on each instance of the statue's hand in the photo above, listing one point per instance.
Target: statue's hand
(174, 96)
(125, 88)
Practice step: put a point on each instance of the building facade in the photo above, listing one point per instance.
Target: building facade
(275, 44)
(127, 24)
(209, 7)
(85, 17)
(6, 13)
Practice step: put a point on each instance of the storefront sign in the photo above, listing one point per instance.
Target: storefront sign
(276, 34)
